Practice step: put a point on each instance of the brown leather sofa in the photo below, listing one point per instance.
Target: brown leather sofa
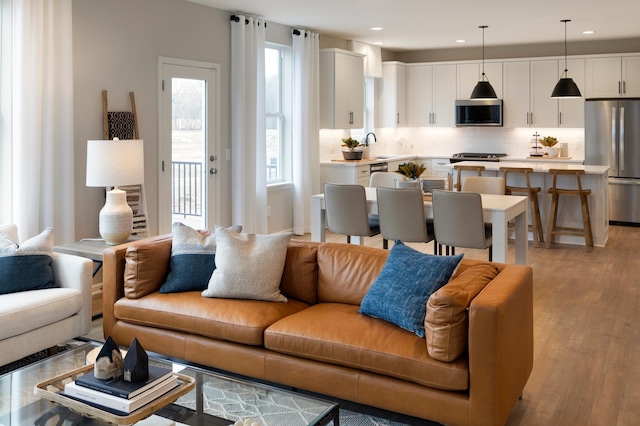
(319, 342)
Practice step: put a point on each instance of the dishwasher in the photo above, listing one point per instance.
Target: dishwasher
(378, 167)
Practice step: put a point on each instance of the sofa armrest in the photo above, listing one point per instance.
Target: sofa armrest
(113, 267)
(500, 345)
(75, 272)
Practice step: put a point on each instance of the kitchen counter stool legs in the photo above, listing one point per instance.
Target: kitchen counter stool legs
(552, 228)
(532, 193)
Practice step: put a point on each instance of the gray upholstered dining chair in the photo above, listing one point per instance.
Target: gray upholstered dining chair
(402, 217)
(484, 185)
(458, 222)
(346, 209)
(386, 179)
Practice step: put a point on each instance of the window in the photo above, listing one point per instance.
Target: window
(277, 107)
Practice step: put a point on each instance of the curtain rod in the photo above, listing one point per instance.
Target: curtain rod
(236, 18)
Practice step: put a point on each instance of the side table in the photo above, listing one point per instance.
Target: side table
(91, 248)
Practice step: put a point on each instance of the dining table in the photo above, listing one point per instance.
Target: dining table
(498, 210)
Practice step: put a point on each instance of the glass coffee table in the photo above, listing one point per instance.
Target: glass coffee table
(216, 400)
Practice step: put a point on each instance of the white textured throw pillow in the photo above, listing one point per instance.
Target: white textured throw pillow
(248, 266)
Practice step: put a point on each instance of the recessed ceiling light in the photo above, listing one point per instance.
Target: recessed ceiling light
(588, 32)
(379, 43)
(376, 28)
(461, 41)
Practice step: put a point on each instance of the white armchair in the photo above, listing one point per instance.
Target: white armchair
(39, 319)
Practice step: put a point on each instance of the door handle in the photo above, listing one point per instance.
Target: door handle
(621, 140)
(213, 158)
(213, 171)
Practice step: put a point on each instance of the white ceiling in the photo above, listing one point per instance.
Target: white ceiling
(435, 24)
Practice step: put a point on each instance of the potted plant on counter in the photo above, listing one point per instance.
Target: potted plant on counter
(549, 142)
(412, 171)
(351, 153)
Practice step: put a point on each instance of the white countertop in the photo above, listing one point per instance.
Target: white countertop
(537, 166)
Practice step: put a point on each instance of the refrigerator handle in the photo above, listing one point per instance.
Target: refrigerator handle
(621, 141)
(614, 132)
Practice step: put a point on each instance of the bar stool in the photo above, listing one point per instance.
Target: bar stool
(552, 228)
(532, 193)
(460, 168)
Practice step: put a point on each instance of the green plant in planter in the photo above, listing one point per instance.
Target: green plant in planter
(411, 170)
(350, 143)
(548, 141)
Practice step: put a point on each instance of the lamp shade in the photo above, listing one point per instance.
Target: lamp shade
(483, 90)
(115, 162)
(566, 88)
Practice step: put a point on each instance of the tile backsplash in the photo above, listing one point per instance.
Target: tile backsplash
(444, 141)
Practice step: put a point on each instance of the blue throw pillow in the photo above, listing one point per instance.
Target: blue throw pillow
(192, 262)
(28, 266)
(400, 293)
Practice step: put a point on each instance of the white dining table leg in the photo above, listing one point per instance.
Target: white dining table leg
(499, 236)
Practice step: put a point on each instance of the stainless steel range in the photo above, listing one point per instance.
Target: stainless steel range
(475, 156)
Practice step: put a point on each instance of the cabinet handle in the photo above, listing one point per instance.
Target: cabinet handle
(531, 115)
(398, 118)
(560, 113)
(624, 87)
(620, 87)
(350, 117)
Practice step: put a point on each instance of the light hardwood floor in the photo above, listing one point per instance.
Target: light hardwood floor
(587, 342)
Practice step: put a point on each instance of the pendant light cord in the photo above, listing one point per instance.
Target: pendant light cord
(483, 74)
(566, 70)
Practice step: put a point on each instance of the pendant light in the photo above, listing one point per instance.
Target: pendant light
(566, 87)
(483, 89)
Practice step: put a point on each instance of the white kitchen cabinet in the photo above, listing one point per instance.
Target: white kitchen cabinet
(341, 89)
(345, 173)
(612, 76)
(391, 92)
(440, 167)
(571, 110)
(468, 75)
(527, 93)
(431, 95)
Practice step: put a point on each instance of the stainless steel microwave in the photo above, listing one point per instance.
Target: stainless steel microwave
(479, 112)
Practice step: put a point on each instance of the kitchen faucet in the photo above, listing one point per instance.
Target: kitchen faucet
(366, 138)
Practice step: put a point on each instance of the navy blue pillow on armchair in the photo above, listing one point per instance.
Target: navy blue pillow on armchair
(400, 293)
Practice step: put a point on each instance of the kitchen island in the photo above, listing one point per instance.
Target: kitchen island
(569, 211)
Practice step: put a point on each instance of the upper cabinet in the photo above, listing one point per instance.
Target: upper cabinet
(613, 76)
(341, 89)
(469, 74)
(431, 95)
(527, 94)
(571, 111)
(391, 95)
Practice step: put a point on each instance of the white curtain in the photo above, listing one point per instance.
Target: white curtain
(40, 104)
(306, 127)
(248, 133)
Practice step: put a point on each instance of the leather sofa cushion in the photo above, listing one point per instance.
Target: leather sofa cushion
(336, 333)
(234, 320)
(300, 274)
(146, 266)
(446, 323)
(346, 271)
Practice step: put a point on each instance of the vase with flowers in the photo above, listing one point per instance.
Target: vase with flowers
(412, 172)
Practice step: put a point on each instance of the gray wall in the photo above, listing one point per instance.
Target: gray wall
(116, 48)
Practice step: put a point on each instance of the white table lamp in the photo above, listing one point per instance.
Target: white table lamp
(111, 163)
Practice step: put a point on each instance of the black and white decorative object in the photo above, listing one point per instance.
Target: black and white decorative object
(136, 363)
(109, 362)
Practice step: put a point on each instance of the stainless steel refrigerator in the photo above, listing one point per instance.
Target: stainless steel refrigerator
(612, 138)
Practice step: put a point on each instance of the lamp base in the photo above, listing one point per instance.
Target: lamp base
(116, 218)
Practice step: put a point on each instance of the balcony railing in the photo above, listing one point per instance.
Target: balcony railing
(187, 188)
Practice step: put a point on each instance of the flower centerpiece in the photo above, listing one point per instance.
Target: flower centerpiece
(350, 153)
(412, 171)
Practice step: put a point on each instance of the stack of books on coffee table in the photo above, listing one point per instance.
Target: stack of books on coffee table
(119, 397)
